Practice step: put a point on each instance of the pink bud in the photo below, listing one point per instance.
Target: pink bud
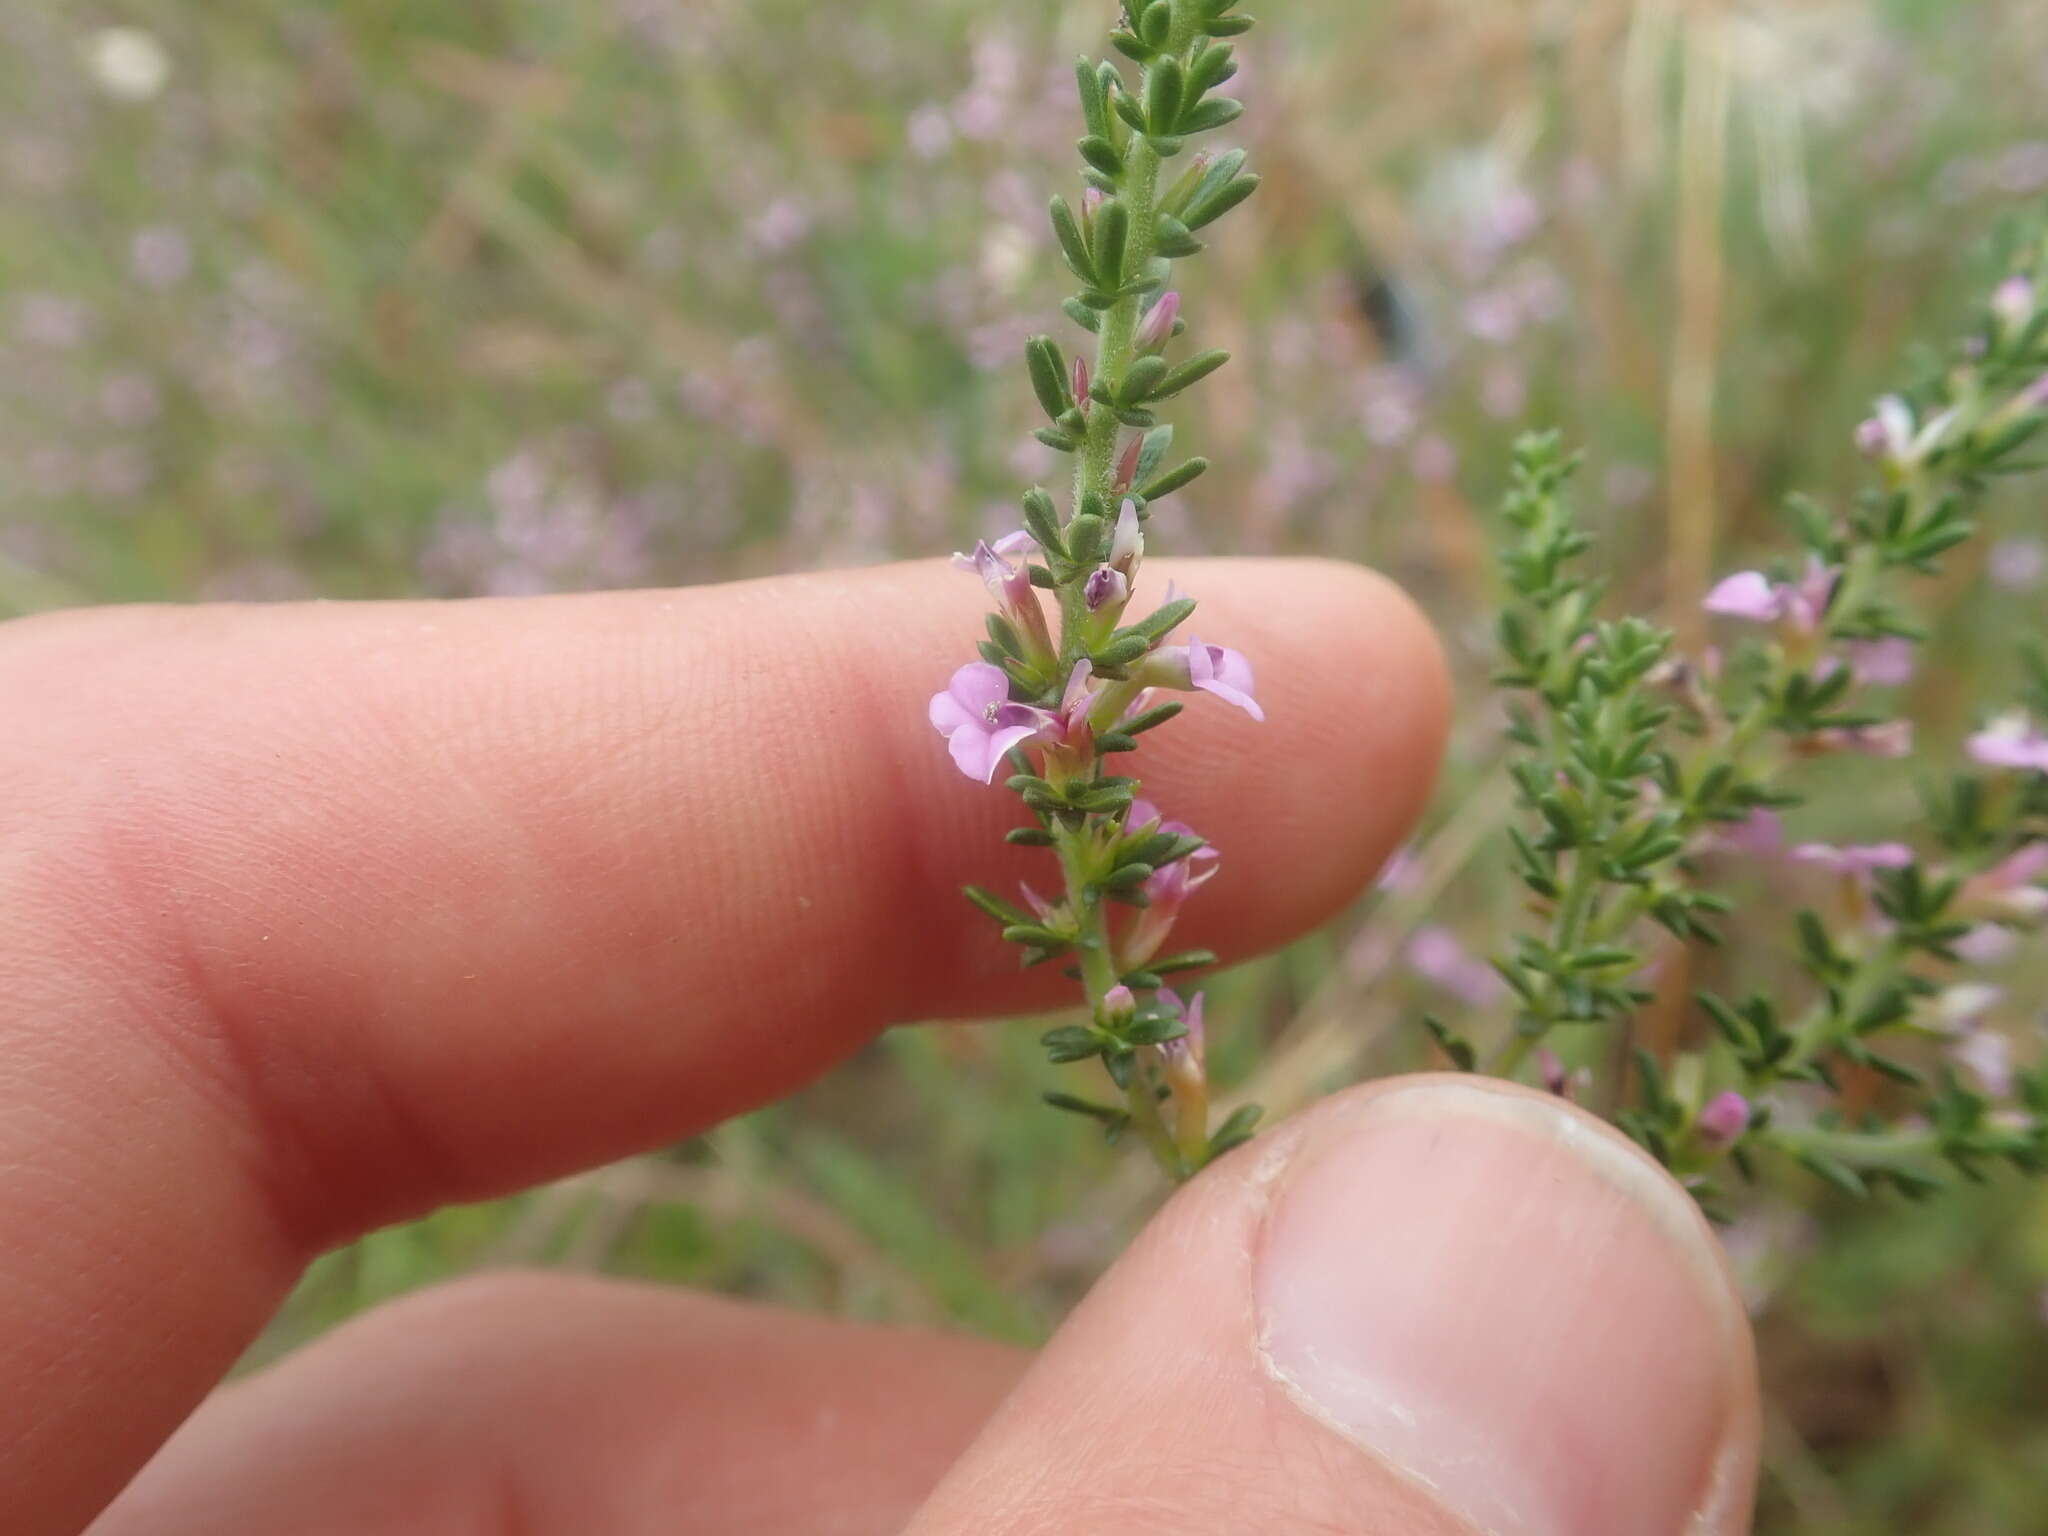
(1118, 1004)
(1127, 466)
(1081, 381)
(1127, 544)
(1723, 1121)
(1157, 328)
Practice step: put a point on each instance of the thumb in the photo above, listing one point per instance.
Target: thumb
(1434, 1306)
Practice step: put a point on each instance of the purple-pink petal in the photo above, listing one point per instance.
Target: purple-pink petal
(1745, 595)
(2011, 742)
(1217, 669)
(1856, 859)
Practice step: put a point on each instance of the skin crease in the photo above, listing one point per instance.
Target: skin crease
(314, 918)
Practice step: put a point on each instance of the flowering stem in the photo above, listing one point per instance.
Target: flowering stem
(1099, 977)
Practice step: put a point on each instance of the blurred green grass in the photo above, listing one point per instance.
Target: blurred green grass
(386, 299)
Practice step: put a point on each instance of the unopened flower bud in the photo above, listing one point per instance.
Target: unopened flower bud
(1127, 544)
(1156, 330)
(1723, 1121)
(1081, 383)
(1119, 1005)
(1127, 463)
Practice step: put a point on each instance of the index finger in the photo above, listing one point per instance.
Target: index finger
(320, 916)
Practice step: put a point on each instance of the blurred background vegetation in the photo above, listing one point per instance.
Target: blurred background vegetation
(488, 296)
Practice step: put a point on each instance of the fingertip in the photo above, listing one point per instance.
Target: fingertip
(1357, 697)
(1434, 1305)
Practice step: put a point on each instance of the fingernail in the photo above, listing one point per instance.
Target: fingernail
(1516, 1310)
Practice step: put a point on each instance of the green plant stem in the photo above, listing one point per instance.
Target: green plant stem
(1098, 977)
(1095, 472)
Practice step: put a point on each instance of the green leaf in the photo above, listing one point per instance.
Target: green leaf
(1072, 246)
(1235, 1131)
(995, 906)
(1112, 237)
(1174, 479)
(1072, 1043)
(1204, 211)
(1140, 380)
(1214, 113)
(1048, 371)
(1102, 155)
(1190, 373)
(1164, 87)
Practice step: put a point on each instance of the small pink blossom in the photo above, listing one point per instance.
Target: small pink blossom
(1754, 596)
(1987, 1056)
(1436, 955)
(1986, 944)
(2019, 564)
(1168, 888)
(1860, 860)
(1760, 834)
(2011, 741)
(1069, 727)
(1724, 1119)
(1104, 587)
(1964, 1007)
(980, 723)
(2007, 890)
(1887, 663)
(1212, 668)
(2012, 302)
(1011, 587)
(1889, 432)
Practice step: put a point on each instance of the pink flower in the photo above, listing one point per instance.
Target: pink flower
(980, 723)
(1887, 663)
(1889, 433)
(2007, 889)
(1105, 586)
(1011, 587)
(1860, 860)
(1168, 888)
(2011, 741)
(1212, 668)
(1437, 957)
(1070, 727)
(1987, 1056)
(1723, 1121)
(1761, 834)
(2012, 302)
(1754, 596)
(1986, 944)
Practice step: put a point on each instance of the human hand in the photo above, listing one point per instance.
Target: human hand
(312, 919)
